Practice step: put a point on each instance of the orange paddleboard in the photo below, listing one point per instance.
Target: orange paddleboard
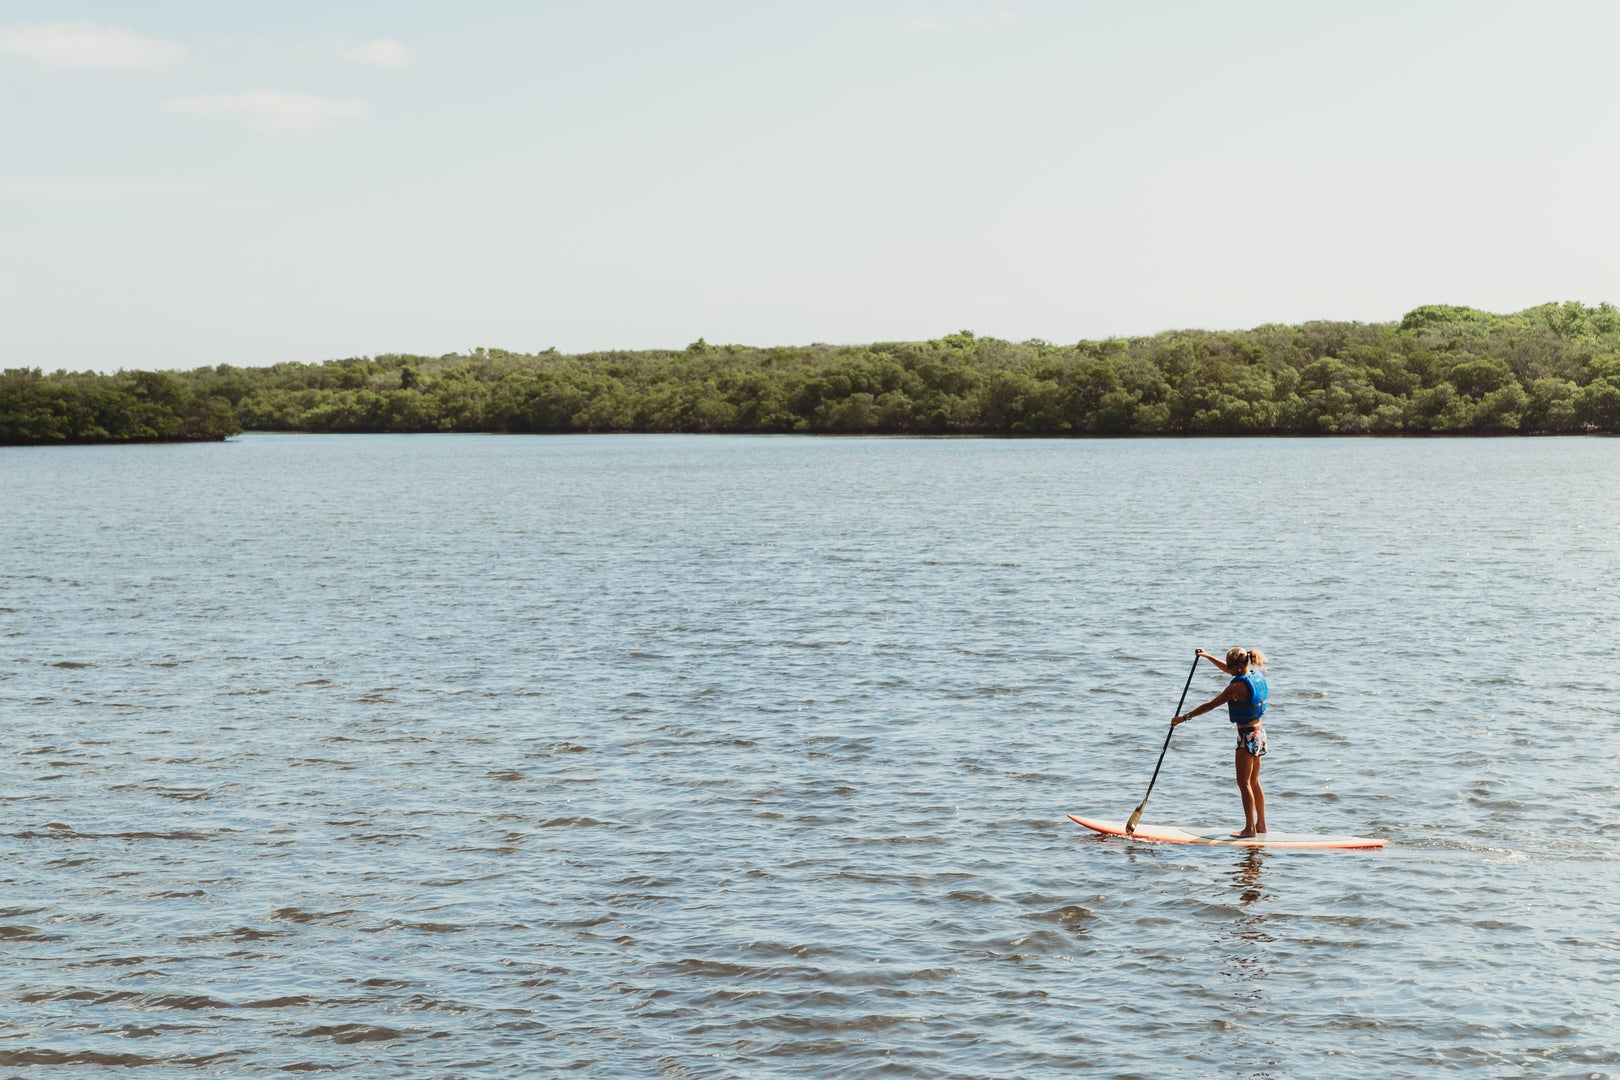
(1173, 834)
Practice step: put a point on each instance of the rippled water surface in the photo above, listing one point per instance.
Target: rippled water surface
(749, 757)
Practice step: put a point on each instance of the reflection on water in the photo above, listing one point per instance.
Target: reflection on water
(1246, 955)
(1247, 963)
(1246, 876)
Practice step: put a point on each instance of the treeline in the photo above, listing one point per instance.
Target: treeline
(131, 406)
(1440, 370)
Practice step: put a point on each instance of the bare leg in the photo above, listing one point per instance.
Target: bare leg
(1254, 799)
(1259, 798)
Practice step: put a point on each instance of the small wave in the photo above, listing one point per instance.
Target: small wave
(1070, 915)
(429, 927)
(347, 1034)
(564, 747)
(97, 1057)
(181, 1002)
(299, 915)
(692, 965)
(182, 794)
(71, 994)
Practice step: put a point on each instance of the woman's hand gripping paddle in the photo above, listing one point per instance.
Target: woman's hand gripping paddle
(1130, 826)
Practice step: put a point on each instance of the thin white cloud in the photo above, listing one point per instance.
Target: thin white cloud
(933, 24)
(81, 190)
(1000, 18)
(82, 45)
(272, 110)
(384, 52)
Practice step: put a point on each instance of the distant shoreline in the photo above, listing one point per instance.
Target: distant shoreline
(1440, 370)
(1485, 436)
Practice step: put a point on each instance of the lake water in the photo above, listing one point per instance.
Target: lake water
(749, 757)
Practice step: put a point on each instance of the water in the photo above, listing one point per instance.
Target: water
(749, 757)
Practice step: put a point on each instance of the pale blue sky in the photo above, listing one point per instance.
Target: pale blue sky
(188, 183)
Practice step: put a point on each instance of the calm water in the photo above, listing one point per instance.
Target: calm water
(749, 757)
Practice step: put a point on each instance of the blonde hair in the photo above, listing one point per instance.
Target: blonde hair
(1252, 657)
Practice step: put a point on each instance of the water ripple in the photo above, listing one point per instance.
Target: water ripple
(691, 757)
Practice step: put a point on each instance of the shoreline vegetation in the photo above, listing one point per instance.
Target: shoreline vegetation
(1440, 370)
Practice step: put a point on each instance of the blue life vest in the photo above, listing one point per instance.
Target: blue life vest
(1249, 712)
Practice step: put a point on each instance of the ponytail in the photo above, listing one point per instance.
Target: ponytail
(1249, 657)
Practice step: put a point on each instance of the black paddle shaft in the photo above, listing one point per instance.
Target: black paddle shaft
(1138, 815)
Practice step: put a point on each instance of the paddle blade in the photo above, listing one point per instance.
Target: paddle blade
(1130, 826)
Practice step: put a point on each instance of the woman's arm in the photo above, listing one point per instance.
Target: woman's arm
(1217, 661)
(1237, 691)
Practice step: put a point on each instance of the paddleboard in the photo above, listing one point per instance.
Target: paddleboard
(1172, 834)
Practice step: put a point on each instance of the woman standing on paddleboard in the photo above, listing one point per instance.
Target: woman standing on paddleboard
(1245, 701)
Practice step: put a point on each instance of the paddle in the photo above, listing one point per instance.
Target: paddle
(1130, 826)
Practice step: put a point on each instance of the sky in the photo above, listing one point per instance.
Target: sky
(194, 183)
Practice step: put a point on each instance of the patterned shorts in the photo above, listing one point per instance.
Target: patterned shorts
(1253, 740)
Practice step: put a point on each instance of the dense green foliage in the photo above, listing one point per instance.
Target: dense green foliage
(1441, 369)
(132, 406)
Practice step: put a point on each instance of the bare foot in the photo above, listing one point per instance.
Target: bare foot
(1246, 834)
